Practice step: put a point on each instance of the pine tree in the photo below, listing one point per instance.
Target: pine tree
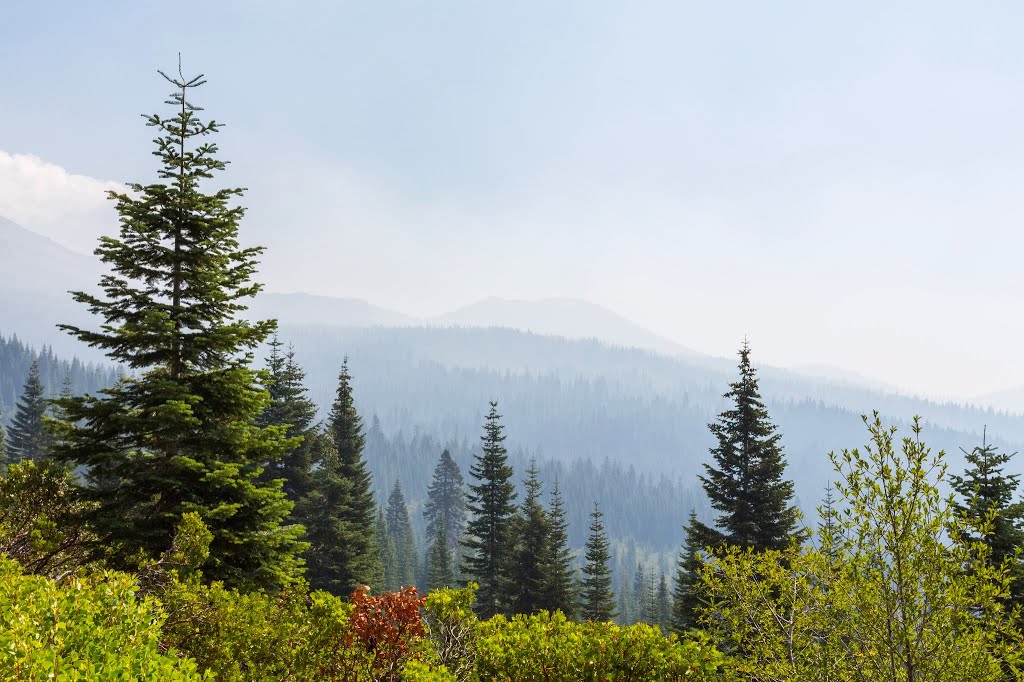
(177, 433)
(440, 572)
(488, 541)
(344, 551)
(399, 531)
(664, 605)
(747, 487)
(598, 600)
(686, 597)
(985, 489)
(531, 559)
(291, 408)
(29, 437)
(446, 499)
(559, 590)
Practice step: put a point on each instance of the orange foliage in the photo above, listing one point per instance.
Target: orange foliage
(386, 625)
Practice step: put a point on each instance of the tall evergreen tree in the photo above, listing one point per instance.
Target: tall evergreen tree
(664, 606)
(177, 433)
(559, 589)
(440, 571)
(446, 499)
(686, 597)
(400, 534)
(290, 408)
(344, 553)
(746, 484)
(641, 588)
(985, 489)
(598, 600)
(488, 539)
(387, 578)
(531, 559)
(29, 437)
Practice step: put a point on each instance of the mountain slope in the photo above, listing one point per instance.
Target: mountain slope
(566, 317)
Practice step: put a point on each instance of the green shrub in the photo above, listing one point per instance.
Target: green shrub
(91, 628)
(549, 647)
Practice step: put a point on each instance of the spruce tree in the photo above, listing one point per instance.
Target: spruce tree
(686, 596)
(531, 559)
(290, 408)
(399, 531)
(746, 484)
(440, 572)
(489, 542)
(598, 600)
(641, 607)
(29, 437)
(387, 577)
(176, 434)
(985, 489)
(559, 590)
(344, 553)
(446, 499)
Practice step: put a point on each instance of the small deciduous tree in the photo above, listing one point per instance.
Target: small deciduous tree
(884, 596)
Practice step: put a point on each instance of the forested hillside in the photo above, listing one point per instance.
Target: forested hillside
(16, 358)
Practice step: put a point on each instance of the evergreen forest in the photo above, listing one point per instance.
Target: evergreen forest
(225, 499)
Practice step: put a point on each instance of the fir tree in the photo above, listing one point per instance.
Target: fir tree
(598, 600)
(747, 484)
(440, 572)
(344, 551)
(531, 560)
(664, 605)
(29, 437)
(686, 599)
(559, 590)
(641, 607)
(488, 535)
(290, 408)
(400, 536)
(388, 578)
(177, 433)
(985, 489)
(446, 499)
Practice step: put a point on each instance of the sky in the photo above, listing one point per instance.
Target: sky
(838, 182)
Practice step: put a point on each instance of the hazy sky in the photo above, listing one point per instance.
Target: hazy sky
(841, 182)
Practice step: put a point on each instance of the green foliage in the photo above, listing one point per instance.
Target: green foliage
(29, 438)
(291, 409)
(489, 542)
(746, 483)
(452, 629)
(339, 512)
(40, 515)
(530, 559)
(82, 628)
(446, 501)
(440, 571)
(986, 494)
(687, 599)
(177, 434)
(884, 596)
(559, 591)
(550, 647)
(400, 537)
(598, 599)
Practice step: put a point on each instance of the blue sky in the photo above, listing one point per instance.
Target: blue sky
(841, 182)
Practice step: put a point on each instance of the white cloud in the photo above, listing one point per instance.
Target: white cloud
(46, 198)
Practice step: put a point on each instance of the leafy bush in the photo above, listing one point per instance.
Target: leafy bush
(550, 647)
(82, 629)
(452, 626)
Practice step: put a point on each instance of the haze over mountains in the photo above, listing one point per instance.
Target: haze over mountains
(576, 382)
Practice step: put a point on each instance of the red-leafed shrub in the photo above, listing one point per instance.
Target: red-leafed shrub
(387, 626)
